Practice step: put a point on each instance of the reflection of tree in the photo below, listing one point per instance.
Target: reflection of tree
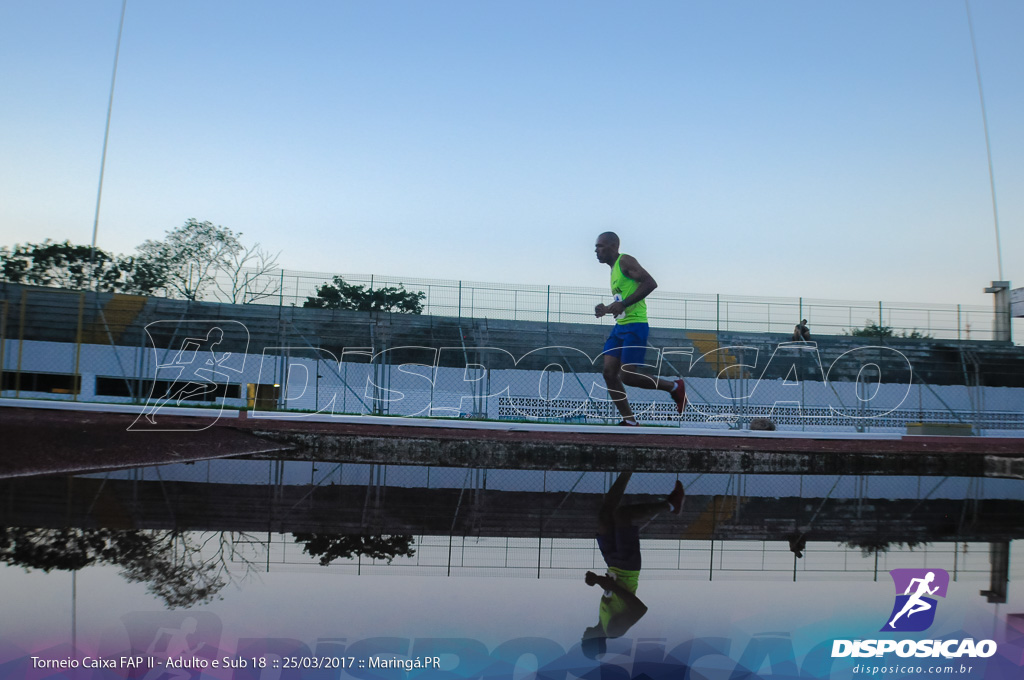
(172, 563)
(870, 546)
(329, 547)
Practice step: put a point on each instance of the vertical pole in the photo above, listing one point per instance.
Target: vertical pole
(280, 291)
(74, 613)
(988, 145)
(547, 317)
(881, 321)
(540, 524)
(801, 314)
(460, 299)
(718, 312)
(958, 325)
(21, 343)
(103, 156)
(3, 339)
(78, 348)
(139, 367)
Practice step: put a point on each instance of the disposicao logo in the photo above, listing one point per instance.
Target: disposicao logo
(914, 609)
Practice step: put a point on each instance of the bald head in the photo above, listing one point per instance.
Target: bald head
(607, 248)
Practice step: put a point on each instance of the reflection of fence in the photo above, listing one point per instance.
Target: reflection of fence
(535, 523)
(523, 408)
(663, 559)
(697, 311)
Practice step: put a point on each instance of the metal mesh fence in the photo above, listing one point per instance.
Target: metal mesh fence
(697, 311)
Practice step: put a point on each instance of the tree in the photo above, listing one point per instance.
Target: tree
(329, 547)
(77, 267)
(246, 275)
(189, 258)
(343, 295)
(874, 330)
(871, 546)
(169, 562)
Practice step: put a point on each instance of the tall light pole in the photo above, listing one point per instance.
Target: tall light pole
(106, 136)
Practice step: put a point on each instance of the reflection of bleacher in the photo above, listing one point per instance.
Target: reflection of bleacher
(533, 408)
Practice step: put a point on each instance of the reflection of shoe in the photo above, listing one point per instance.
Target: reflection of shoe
(679, 396)
(628, 424)
(675, 499)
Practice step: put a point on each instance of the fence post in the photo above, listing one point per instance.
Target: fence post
(718, 312)
(280, 291)
(881, 321)
(460, 299)
(958, 323)
(78, 345)
(3, 341)
(547, 314)
(21, 342)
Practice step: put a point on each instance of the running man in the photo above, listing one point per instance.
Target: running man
(196, 374)
(915, 604)
(618, 537)
(626, 346)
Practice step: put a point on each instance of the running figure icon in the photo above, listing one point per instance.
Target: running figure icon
(196, 374)
(915, 604)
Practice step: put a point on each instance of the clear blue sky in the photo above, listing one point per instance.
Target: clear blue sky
(791, 148)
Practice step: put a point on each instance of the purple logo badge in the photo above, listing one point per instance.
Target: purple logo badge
(916, 589)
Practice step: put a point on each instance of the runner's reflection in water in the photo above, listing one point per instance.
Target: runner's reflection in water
(618, 537)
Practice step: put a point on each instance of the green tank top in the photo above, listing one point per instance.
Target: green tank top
(623, 287)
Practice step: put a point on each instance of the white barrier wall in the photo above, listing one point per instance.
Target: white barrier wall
(412, 389)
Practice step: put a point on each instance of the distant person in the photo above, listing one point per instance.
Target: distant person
(801, 331)
(626, 346)
(618, 537)
(797, 544)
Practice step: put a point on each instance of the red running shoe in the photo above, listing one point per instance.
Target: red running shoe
(675, 498)
(679, 396)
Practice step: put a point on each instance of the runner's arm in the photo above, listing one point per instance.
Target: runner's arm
(645, 284)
